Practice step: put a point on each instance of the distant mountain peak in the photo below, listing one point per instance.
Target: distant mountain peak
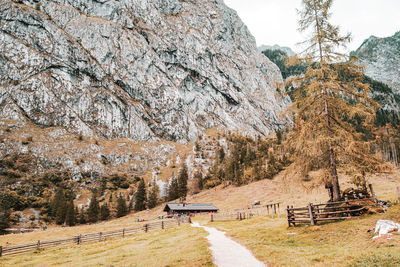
(381, 56)
(287, 50)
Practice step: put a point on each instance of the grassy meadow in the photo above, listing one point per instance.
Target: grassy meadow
(179, 246)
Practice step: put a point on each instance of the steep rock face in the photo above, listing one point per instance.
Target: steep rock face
(381, 56)
(134, 68)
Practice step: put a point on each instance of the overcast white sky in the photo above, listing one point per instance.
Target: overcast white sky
(275, 21)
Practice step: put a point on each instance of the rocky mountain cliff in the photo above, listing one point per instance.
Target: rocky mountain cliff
(381, 56)
(140, 69)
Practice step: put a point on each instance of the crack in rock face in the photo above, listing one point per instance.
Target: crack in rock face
(139, 69)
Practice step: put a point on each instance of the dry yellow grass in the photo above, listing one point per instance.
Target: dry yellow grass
(289, 192)
(180, 246)
(346, 243)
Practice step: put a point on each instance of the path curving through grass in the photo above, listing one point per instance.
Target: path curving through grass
(226, 252)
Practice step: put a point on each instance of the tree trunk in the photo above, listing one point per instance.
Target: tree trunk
(332, 160)
(335, 178)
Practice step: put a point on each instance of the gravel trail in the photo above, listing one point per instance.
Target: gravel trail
(228, 253)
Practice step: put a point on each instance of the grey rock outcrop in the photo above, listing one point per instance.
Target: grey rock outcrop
(381, 56)
(139, 69)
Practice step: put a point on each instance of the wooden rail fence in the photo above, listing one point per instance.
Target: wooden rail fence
(84, 238)
(242, 214)
(314, 213)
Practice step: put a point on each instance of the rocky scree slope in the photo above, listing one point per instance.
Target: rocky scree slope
(137, 69)
(381, 56)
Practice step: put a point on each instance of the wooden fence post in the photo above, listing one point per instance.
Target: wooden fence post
(1, 251)
(212, 217)
(162, 224)
(78, 240)
(100, 234)
(310, 210)
(294, 216)
(372, 192)
(348, 213)
(146, 227)
(279, 211)
(267, 209)
(38, 244)
(123, 232)
(288, 215)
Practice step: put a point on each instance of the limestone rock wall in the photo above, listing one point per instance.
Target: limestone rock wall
(140, 69)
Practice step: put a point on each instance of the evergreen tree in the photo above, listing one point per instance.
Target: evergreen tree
(153, 196)
(4, 218)
(5, 210)
(173, 189)
(94, 209)
(70, 217)
(140, 196)
(104, 212)
(122, 209)
(60, 206)
(82, 217)
(58, 200)
(328, 97)
(182, 182)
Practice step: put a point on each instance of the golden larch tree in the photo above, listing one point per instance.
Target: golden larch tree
(331, 103)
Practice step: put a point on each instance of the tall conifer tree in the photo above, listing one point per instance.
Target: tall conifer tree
(153, 195)
(173, 189)
(104, 212)
(122, 208)
(70, 217)
(328, 98)
(182, 182)
(94, 209)
(140, 196)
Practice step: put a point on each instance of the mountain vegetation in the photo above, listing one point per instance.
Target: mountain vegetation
(244, 160)
(280, 58)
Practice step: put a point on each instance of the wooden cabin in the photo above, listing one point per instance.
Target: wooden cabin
(187, 208)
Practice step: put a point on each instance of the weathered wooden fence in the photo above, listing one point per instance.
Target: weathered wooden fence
(242, 214)
(84, 238)
(340, 210)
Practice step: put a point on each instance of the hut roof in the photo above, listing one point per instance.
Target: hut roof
(190, 206)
